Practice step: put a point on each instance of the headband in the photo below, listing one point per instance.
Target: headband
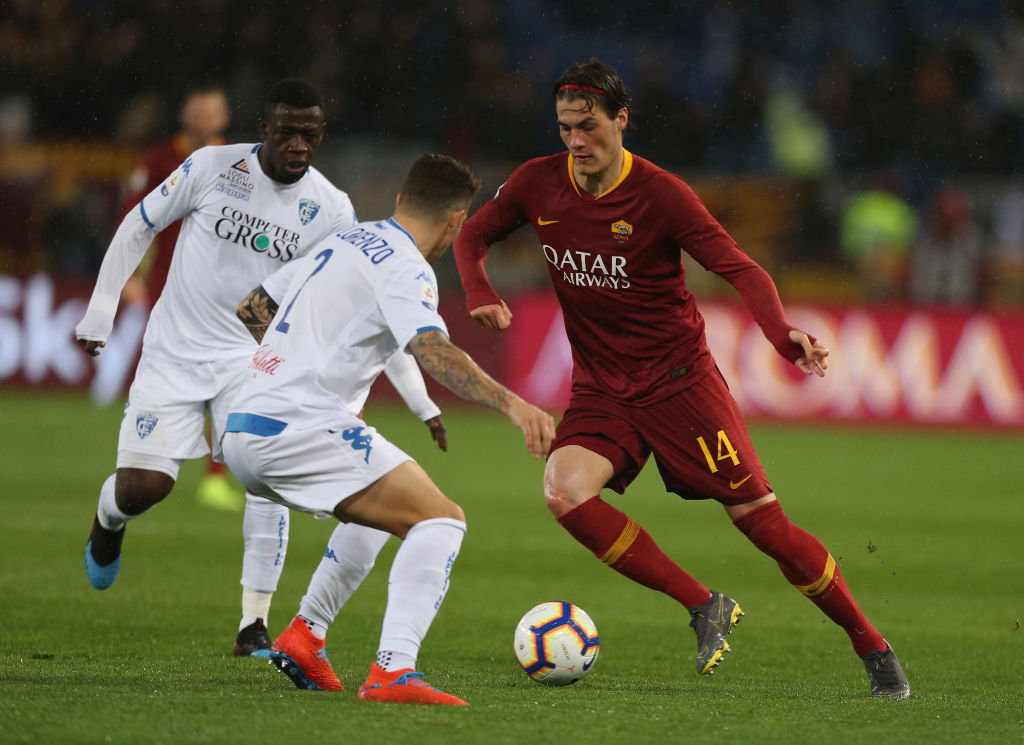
(586, 88)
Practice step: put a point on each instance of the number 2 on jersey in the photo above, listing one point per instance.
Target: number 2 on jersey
(725, 451)
(322, 257)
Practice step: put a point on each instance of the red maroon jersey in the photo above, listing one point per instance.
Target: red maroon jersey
(615, 264)
(159, 161)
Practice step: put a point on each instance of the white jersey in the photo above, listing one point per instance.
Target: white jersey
(239, 227)
(356, 299)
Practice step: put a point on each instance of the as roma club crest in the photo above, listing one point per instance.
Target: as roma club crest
(621, 230)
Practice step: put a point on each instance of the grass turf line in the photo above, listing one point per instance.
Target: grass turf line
(925, 526)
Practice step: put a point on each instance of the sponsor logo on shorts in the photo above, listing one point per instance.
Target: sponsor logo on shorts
(359, 440)
(145, 424)
(307, 210)
(741, 482)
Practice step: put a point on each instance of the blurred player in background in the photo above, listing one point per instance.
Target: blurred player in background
(204, 117)
(247, 209)
(612, 226)
(294, 434)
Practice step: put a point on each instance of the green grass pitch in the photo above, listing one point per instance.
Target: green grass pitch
(926, 526)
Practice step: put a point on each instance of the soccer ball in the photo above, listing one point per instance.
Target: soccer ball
(556, 643)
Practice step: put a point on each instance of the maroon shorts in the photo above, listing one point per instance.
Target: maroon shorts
(698, 437)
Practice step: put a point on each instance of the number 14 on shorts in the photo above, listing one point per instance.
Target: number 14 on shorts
(725, 451)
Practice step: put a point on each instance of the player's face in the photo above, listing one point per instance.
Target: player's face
(593, 137)
(205, 116)
(290, 139)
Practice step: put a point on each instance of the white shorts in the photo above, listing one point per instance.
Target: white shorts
(166, 411)
(311, 470)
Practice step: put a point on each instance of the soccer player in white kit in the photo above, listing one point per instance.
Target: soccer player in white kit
(294, 435)
(248, 209)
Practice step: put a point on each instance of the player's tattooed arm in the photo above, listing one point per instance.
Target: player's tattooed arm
(456, 371)
(453, 368)
(256, 311)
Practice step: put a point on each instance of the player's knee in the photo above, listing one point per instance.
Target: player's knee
(451, 510)
(570, 480)
(136, 489)
(561, 497)
(400, 524)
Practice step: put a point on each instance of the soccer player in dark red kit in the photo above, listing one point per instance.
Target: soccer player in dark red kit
(644, 382)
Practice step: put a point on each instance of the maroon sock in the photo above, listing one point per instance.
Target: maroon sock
(808, 566)
(618, 541)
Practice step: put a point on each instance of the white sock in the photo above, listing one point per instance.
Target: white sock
(417, 586)
(350, 555)
(265, 535)
(107, 512)
(255, 604)
(389, 660)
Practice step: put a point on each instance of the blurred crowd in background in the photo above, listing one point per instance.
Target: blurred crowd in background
(866, 150)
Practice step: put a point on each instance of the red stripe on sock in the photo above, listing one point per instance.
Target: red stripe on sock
(802, 559)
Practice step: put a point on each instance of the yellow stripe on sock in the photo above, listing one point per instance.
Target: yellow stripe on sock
(623, 542)
(822, 582)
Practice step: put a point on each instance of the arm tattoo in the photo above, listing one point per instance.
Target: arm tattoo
(453, 368)
(256, 312)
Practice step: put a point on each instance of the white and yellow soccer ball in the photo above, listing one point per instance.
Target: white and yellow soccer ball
(556, 643)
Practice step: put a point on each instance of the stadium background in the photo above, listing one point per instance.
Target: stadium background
(848, 147)
(820, 133)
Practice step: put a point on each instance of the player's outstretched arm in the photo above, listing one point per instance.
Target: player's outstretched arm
(256, 311)
(122, 258)
(405, 376)
(454, 369)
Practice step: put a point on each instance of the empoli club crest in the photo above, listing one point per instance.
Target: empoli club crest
(307, 210)
(145, 424)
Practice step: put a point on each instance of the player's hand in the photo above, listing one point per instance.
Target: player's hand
(538, 427)
(92, 348)
(437, 432)
(814, 359)
(492, 316)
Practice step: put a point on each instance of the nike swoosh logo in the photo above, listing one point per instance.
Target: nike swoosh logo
(542, 221)
(741, 482)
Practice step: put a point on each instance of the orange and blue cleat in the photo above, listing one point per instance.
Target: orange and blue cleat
(302, 657)
(404, 686)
